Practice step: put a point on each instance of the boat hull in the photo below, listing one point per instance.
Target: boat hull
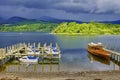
(101, 53)
(28, 59)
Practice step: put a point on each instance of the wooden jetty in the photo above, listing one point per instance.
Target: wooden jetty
(113, 54)
(9, 52)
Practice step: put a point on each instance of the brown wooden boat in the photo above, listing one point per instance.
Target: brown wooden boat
(97, 49)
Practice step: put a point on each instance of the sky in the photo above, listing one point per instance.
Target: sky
(82, 10)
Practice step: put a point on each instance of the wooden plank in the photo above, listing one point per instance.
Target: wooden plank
(112, 52)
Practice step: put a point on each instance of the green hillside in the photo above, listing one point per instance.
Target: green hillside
(63, 28)
(28, 27)
(87, 28)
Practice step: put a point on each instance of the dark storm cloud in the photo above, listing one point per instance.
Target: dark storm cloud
(73, 6)
(68, 9)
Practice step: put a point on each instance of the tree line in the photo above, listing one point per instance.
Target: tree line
(36, 27)
(87, 28)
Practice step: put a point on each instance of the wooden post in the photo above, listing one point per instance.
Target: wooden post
(10, 49)
(59, 66)
(28, 44)
(114, 49)
(50, 57)
(5, 52)
(57, 46)
(59, 62)
(19, 45)
(18, 52)
(26, 68)
(18, 67)
(118, 58)
(13, 47)
(45, 45)
(115, 56)
(0, 54)
(34, 49)
(105, 46)
(34, 67)
(109, 46)
(25, 49)
(51, 45)
(7, 49)
(112, 55)
(43, 59)
(38, 46)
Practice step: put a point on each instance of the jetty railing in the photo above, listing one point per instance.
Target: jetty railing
(113, 54)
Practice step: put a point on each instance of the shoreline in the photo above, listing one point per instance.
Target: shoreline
(92, 34)
(84, 75)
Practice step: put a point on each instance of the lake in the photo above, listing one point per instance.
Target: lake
(73, 50)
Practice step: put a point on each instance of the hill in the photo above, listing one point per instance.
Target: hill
(112, 22)
(28, 26)
(87, 28)
(51, 19)
(1, 20)
(17, 20)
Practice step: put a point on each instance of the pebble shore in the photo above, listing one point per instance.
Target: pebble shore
(88, 75)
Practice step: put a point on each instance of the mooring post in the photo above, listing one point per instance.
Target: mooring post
(50, 45)
(1, 54)
(10, 49)
(34, 48)
(50, 57)
(115, 56)
(6, 50)
(105, 46)
(38, 46)
(118, 58)
(58, 48)
(34, 67)
(45, 45)
(59, 65)
(56, 45)
(43, 59)
(109, 46)
(28, 44)
(19, 45)
(2, 51)
(14, 47)
(18, 67)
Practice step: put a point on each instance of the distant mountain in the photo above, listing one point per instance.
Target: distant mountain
(1, 20)
(112, 22)
(21, 20)
(14, 20)
(51, 19)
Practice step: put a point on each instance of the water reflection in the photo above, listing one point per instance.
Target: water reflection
(115, 64)
(93, 58)
(30, 67)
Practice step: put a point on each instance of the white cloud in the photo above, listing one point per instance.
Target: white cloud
(107, 6)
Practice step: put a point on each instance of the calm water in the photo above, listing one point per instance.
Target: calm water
(74, 54)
